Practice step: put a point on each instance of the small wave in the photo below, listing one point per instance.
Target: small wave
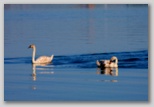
(131, 59)
(17, 60)
(135, 59)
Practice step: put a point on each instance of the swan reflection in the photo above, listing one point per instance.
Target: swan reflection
(42, 67)
(108, 71)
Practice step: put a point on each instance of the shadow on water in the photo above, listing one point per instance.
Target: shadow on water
(42, 68)
(108, 71)
(135, 59)
(46, 69)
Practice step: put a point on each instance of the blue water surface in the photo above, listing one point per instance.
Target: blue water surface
(77, 35)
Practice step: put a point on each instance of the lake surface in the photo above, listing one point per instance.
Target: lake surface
(77, 35)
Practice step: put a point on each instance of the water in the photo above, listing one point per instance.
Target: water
(77, 35)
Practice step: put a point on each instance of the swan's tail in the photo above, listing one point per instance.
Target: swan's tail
(98, 63)
(52, 57)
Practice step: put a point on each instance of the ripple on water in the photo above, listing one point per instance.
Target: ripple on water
(135, 59)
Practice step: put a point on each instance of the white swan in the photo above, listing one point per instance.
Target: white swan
(41, 59)
(113, 62)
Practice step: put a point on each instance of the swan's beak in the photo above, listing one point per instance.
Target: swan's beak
(112, 61)
(29, 46)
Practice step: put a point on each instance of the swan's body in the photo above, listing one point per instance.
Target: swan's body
(41, 59)
(113, 62)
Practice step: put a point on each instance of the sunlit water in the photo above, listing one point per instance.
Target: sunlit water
(77, 35)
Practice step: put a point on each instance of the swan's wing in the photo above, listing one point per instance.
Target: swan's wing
(43, 59)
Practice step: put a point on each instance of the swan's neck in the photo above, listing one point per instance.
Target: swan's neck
(33, 55)
(116, 61)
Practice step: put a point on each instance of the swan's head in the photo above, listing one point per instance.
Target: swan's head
(31, 46)
(114, 59)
